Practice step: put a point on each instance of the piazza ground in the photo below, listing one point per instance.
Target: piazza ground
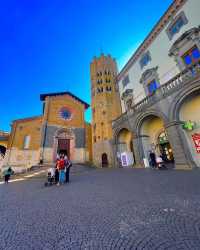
(103, 209)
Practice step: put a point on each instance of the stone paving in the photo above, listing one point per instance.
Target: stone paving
(103, 209)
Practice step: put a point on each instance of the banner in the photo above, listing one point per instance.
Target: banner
(196, 140)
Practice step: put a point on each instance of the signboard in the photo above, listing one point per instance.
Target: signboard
(196, 140)
(127, 159)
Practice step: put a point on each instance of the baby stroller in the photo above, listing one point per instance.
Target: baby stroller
(50, 178)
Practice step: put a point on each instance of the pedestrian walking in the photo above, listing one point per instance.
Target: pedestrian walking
(68, 165)
(7, 174)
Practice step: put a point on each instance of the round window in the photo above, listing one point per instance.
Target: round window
(65, 113)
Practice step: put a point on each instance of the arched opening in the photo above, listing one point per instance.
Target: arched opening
(125, 151)
(189, 115)
(165, 147)
(155, 140)
(104, 159)
(2, 150)
(64, 143)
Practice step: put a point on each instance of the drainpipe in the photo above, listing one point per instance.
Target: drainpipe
(44, 131)
(11, 144)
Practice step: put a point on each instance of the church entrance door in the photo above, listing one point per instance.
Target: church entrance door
(64, 147)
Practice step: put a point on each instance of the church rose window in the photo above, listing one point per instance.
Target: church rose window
(65, 113)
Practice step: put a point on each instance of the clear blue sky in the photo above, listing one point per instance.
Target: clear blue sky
(47, 46)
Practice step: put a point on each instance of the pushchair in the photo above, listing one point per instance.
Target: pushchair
(50, 179)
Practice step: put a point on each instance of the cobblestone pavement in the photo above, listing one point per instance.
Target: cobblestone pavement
(103, 209)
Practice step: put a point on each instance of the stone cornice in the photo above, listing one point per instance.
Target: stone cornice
(161, 24)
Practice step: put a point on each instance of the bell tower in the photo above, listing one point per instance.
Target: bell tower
(105, 107)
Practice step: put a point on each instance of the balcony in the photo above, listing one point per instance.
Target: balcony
(185, 77)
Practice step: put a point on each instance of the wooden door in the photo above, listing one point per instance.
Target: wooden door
(64, 147)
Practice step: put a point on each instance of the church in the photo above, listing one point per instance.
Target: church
(60, 129)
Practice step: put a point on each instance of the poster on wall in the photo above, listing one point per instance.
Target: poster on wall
(196, 140)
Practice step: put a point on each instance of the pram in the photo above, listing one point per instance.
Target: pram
(50, 178)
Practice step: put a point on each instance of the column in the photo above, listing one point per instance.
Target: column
(138, 151)
(177, 144)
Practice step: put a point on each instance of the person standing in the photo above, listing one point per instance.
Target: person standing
(152, 157)
(7, 174)
(67, 169)
(61, 168)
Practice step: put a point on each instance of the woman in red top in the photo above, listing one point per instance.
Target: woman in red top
(61, 168)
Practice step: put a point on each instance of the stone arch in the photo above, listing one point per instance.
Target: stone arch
(64, 142)
(117, 131)
(145, 115)
(124, 145)
(180, 98)
(104, 160)
(149, 126)
(2, 149)
(65, 131)
(186, 111)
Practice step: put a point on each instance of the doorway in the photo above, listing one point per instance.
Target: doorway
(2, 150)
(64, 147)
(165, 147)
(104, 160)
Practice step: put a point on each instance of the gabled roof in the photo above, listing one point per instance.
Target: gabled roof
(43, 96)
(27, 119)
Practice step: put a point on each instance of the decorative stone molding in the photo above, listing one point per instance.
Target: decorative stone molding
(64, 133)
(180, 17)
(184, 43)
(127, 97)
(148, 76)
(165, 19)
(145, 59)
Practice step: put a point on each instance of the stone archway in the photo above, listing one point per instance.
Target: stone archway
(64, 142)
(154, 138)
(124, 144)
(189, 116)
(2, 150)
(104, 160)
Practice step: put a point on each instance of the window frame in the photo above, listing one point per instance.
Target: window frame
(174, 21)
(189, 52)
(26, 142)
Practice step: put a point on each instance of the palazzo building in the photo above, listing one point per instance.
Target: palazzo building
(160, 91)
(60, 129)
(152, 104)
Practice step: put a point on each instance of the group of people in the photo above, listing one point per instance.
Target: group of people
(60, 173)
(156, 162)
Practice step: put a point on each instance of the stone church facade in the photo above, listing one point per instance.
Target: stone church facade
(60, 129)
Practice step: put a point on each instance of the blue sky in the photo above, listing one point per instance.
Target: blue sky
(47, 46)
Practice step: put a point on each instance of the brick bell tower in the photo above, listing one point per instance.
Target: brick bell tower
(105, 108)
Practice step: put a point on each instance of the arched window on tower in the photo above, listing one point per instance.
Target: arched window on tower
(26, 144)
